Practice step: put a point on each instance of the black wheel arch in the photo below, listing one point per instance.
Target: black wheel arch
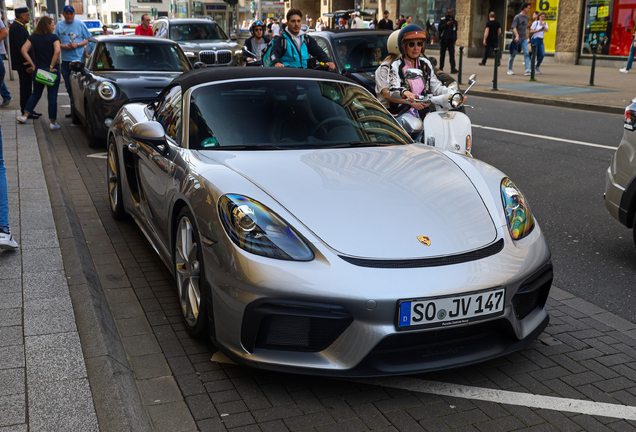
(627, 208)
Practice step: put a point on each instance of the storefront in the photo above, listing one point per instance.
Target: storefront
(609, 25)
(427, 14)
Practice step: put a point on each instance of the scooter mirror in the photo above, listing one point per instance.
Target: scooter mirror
(472, 79)
(413, 74)
(412, 125)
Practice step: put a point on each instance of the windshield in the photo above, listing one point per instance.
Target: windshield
(362, 52)
(198, 31)
(140, 56)
(289, 114)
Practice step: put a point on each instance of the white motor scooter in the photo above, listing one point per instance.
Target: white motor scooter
(447, 128)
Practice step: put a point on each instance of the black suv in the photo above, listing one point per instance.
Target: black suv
(202, 40)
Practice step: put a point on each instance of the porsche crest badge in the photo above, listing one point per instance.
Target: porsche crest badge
(424, 240)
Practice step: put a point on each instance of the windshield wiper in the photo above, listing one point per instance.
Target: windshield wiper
(353, 144)
(249, 147)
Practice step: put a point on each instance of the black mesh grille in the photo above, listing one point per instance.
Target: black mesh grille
(533, 292)
(418, 340)
(299, 333)
(429, 262)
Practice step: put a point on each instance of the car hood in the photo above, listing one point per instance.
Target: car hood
(373, 202)
(139, 85)
(216, 45)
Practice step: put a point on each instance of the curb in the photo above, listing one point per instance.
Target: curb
(115, 394)
(515, 97)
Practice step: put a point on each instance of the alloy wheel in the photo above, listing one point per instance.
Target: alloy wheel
(188, 271)
(113, 178)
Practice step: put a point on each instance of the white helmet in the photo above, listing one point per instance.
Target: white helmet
(392, 43)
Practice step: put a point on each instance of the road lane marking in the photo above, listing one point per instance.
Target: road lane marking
(103, 155)
(545, 137)
(504, 397)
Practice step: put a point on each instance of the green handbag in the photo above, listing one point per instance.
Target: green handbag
(45, 77)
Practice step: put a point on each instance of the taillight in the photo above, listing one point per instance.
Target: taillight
(630, 119)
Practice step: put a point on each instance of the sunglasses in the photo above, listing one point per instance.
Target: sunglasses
(413, 44)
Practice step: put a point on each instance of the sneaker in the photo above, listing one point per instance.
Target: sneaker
(537, 70)
(624, 70)
(54, 126)
(22, 119)
(6, 102)
(510, 72)
(6, 240)
(527, 72)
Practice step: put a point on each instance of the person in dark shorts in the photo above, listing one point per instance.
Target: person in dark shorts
(491, 37)
(46, 52)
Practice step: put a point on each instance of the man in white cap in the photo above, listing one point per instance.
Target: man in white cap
(74, 37)
(356, 22)
(18, 35)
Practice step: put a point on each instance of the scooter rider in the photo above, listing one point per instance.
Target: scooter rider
(257, 43)
(294, 48)
(411, 40)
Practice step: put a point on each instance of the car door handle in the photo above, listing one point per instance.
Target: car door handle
(133, 147)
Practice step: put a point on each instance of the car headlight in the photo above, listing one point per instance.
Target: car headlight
(518, 215)
(258, 230)
(107, 91)
(456, 100)
(189, 54)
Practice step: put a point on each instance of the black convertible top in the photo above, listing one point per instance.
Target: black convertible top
(204, 75)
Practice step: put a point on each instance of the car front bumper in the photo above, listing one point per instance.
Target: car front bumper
(246, 288)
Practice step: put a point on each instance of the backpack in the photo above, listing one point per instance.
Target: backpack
(267, 53)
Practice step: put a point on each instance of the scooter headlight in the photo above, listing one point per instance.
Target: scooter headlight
(518, 215)
(456, 100)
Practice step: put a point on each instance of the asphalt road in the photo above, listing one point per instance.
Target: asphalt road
(594, 256)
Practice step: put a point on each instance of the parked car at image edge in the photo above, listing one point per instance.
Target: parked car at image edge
(321, 239)
(211, 46)
(121, 69)
(620, 179)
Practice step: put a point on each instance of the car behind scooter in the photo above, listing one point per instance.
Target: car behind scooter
(447, 128)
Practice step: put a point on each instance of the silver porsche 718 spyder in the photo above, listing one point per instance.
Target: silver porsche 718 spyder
(307, 232)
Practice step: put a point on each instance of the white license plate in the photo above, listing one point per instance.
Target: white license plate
(452, 310)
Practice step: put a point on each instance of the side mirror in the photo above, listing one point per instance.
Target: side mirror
(472, 79)
(199, 65)
(412, 125)
(151, 133)
(76, 66)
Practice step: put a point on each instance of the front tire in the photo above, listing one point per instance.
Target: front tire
(190, 275)
(113, 175)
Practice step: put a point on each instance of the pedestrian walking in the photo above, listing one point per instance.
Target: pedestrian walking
(73, 36)
(407, 21)
(46, 51)
(537, 31)
(320, 26)
(6, 239)
(520, 31)
(491, 37)
(4, 91)
(356, 22)
(630, 59)
(399, 22)
(385, 23)
(374, 24)
(447, 38)
(18, 35)
(144, 29)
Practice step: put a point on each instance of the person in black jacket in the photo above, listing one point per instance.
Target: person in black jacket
(447, 37)
(385, 23)
(256, 44)
(18, 35)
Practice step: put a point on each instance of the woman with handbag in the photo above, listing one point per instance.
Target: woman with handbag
(46, 50)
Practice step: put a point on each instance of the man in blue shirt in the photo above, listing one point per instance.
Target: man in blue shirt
(74, 37)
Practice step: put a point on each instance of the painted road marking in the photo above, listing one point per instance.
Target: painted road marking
(504, 397)
(490, 395)
(546, 137)
(103, 155)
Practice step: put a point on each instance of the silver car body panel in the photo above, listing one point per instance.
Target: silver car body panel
(336, 200)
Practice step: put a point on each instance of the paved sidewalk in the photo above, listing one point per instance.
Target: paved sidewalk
(43, 378)
(91, 336)
(560, 85)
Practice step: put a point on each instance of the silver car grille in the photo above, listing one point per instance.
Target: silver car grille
(216, 58)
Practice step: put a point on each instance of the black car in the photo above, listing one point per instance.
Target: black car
(121, 69)
(358, 53)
